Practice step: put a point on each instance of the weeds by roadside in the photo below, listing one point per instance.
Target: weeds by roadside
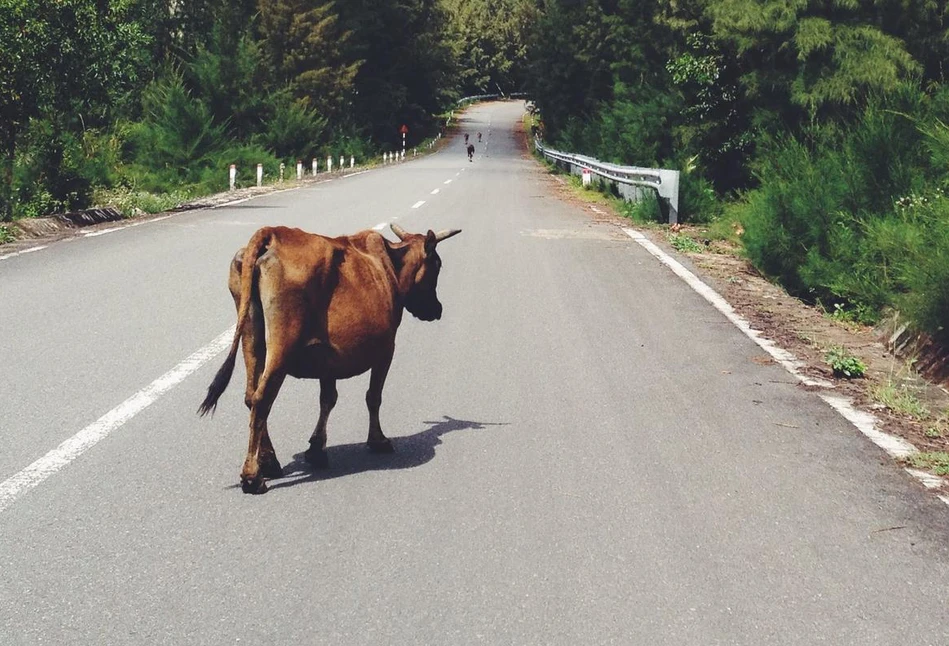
(899, 399)
(936, 462)
(131, 203)
(684, 243)
(844, 364)
(5, 234)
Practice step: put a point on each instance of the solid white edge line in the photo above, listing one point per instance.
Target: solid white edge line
(25, 251)
(866, 423)
(418, 204)
(791, 363)
(102, 232)
(23, 481)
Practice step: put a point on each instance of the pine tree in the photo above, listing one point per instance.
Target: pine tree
(310, 52)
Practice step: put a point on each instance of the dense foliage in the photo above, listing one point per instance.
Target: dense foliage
(821, 126)
(116, 96)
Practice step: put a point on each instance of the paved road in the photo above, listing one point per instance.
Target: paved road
(587, 452)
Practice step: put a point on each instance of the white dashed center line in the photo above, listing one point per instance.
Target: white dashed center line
(448, 181)
(435, 192)
(379, 227)
(418, 204)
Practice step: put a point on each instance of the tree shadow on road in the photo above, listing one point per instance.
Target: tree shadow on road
(349, 459)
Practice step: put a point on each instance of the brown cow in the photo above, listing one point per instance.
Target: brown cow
(322, 308)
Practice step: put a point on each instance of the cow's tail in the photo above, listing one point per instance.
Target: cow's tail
(258, 243)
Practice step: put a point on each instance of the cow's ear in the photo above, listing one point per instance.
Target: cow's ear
(430, 241)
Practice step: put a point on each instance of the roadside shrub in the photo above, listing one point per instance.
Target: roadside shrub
(824, 199)
(51, 171)
(346, 141)
(788, 220)
(294, 130)
(643, 211)
(177, 138)
(697, 199)
(913, 246)
(213, 175)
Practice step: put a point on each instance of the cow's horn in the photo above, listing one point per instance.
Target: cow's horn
(399, 231)
(447, 233)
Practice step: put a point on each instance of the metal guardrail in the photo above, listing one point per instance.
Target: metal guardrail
(488, 97)
(629, 180)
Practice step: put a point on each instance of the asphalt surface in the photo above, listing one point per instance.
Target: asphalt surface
(586, 451)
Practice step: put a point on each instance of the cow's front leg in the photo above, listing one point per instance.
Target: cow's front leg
(316, 454)
(378, 442)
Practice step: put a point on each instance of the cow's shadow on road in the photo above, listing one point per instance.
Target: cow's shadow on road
(349, 459)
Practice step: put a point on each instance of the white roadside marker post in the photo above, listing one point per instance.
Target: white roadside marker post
(329, 164)
(260, 175)
(232, 176)
(282, 166)
(352, 161)
(314, 167)
(299, 169)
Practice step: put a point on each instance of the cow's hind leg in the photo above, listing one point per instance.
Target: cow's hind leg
(255, 355)
(259, 447)
(316, 454)
(378, 442)
(282, 323)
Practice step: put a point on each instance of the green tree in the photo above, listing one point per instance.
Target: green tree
(408, 70)
(490, 38)
(66, 61)
(310, 51)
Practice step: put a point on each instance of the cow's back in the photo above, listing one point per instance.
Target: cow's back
(343, 291)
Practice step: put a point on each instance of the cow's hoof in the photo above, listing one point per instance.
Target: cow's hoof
(253, 485)
(381, 446)
(316, 458)
(271, 469)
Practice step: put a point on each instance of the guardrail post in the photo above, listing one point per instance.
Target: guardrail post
(669, 190)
